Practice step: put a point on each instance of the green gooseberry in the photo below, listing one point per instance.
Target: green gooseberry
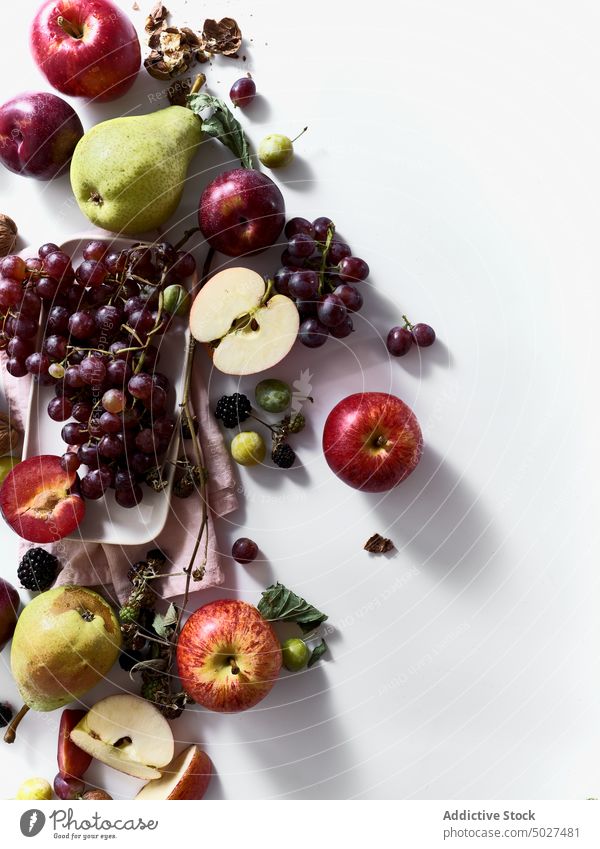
(273, 395)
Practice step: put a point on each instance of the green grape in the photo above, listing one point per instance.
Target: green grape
(273, 395)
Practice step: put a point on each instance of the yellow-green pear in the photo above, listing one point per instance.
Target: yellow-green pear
(65, 642)
(128, 174)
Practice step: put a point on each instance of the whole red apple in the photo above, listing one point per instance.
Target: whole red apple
(241, 212)
(228, 656)
(86, 48)
(38, 134)
(9, 606)
(372, 441)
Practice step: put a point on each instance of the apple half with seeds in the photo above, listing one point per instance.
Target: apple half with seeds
(248, 330)
(40, 501)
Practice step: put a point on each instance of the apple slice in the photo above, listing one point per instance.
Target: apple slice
(72, 761)
(249, 334)
(187, 777)
(127, 733)
(40, 501)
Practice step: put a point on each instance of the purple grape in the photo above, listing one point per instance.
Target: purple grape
(141, 320)
(140, 386)
(345, 328)
(304, 284)
(58, 265)
(11, 292)
(19, 348)
(55, 347)
(115, 262)
(295, 226)
(59, 409)
(16, 367)
(124, 479)
(82, 410)
(37, 363)
(244, 550)
(73, 378)
(399, 341)
(118, 373)
(312, 333)
(95, 250)
(82, 325)
(301, 246)
(31, 305)
(88, 455)
(145, 441)
(337, 252)
(129, 496)
(92, 371)
(184, 265)
(163, 427)
(160, 379)
(91, 273)
(424, 335)
(134, 304)
(350, 296)
(48, 248)
(108, 318)
(353, 269)
(46, 288)
(306, 309)
(110, 447)
(24, 327)
(74, 433)
(70, 462)
(281, 279)
(331, 311)
(243, 91)
(111, 423)
(92, 485)
(321, 227)
(142, 463)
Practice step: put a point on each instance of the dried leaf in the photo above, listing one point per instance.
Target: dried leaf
(378, 544)
(164, 621)
(222, 37)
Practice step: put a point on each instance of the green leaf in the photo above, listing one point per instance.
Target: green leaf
(279, 604)
(163, 622)
(221, 125)
(317, 653)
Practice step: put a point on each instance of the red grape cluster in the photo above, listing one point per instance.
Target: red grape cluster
(101, 321)
(400, 338)
(320, 273)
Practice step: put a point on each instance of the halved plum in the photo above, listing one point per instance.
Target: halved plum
(40, 501)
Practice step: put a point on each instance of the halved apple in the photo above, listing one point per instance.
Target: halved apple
(250, 332)
(127, 733)
(187, 777)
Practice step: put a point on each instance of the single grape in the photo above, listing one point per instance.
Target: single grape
(70, 462)
(312, 333)
(244, 550)
(113, 401)
(142, 463)
(124, 479)
(59, 409)
(295, 654)
(423, 334)
(37, 363)
(145, 441)
(92, 371)
(343, 329)
(91, 273)
(11, 292)
(118, 349)
(273, 395)
(95, 250)
(337, 252)
(82, 410)
(115, 262)
(129, 496)
(134, 304)
(73, 378)
(88, 455)
(110, 423)
(68, 788)
(55, 347)
(19, 348)
(118, 373)
(353, 269)
(16, 367)
(109, 446)
(301, 246)
(108, 318)
(56, 370)
(94, 427)
(299, 225)
(321, 227)
(157, 401)
(281, 279)
(184, 264)
(82, 325)
(46, 288)
(140, 386)
(24, 327)
(306, 309)
(160, 379)
(14, 267)
(163, 427)
(48, 248)
(399, 341)
(58, 265)
(165, 253)
(350, 296)
(74, 433)
(243, 91)
(331, 311)
(141, 320)
(31, 305)
(92, 485)
(304, 284)
(288, 260)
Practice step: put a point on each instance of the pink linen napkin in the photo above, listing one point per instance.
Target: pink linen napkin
(106, 566)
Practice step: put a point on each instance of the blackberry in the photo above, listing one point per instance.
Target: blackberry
(135, 570)
(156, 558)
(233, 409)
(6, 714)
(297, 423)
(37, 570)
(283, 455)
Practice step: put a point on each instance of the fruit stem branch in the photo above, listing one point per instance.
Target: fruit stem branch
(407, 323)
(186, 236)
(11, 731)
(206, 267)
(300, 134)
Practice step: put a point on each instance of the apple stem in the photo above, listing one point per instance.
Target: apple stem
(380, 442)
(11, 731)
(69, 27)
(235, 669)
(300, 134)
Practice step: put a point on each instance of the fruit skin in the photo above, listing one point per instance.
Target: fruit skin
(102, 64)
(273, 395)
(68, 788)
(38, 134)
(248, 448)
(128, 174)
(186, 777)
(72, 761)
(65, 642)
(372, 441)
(40, 501)
(275, 150)
(34, 788)
(37, 569)
(9, 607)
(295, 654)
(219, 638)
(241, 211)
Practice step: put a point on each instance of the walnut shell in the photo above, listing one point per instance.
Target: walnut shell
(9, 435)
(8, 235)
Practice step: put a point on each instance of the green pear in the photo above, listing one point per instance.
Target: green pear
(65, 642)
(128, 174)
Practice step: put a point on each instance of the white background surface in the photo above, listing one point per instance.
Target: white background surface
(456, 146)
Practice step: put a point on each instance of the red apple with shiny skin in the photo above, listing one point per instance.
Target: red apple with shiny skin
(228, 656)
(86, 48)
(241, 212)
(372, 441)
(9, 607)
(38, 134)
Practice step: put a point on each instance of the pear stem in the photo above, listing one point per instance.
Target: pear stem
(11, 731)
(69, 27)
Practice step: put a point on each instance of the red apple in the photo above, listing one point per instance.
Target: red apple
(187, 777)
(38, 134)
(9, 605)
(228, 656)
(40, 501)
(72, 761)
(241, 212)
(372, 441)
(86, 48)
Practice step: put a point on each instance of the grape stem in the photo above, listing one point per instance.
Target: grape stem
(328, 241)
(407, 323)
